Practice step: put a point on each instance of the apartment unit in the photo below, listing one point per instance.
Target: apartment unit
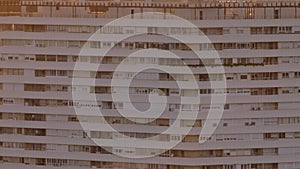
(258, 43)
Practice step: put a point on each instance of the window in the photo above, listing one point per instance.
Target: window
(75, 148)
(289, 120)
(8, 101)
(205, 91)
(57, 162)
(31, 9)
(242, 45)
(40, 58)
(244, 77)
(285, 75)
(132, 13)
(62, 73)
(29, 58)
(274, 135)
(61, 43)
(201, 15)
(285, 29)
(239, 31)
(61, 58)
(108, 44)
(73, 44)
(51, 73)
(276, 14)
(40, 73)
(84, 58)
(41, 43)
(75, 58)
(175, 137)
(249, 13)
(226, 107)
(256, 30)
(51, 58)
(13, 57)
(264, 91)
(13, 145)
(270, 60)
(285, 91)
(94, 44)
(118, 105)
(15, 72)
(189, 123)
(227, 61)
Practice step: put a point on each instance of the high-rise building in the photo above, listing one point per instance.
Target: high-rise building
(56, 55)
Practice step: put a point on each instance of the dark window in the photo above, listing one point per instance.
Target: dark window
(243, 76)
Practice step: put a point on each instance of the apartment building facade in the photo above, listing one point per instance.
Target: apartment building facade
(257, 43)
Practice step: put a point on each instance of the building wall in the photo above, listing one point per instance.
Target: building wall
(258, 47)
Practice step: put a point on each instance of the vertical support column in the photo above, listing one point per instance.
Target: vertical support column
(276, 13)
(51, 6)
(200, 14)
(117, 11)
(132, 13)
(195, 13)
(73, 11)
(224, 13)
(280, 12)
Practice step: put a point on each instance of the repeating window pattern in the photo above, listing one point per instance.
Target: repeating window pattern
(257, 76)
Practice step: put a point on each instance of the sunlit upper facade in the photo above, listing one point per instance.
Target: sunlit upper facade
(258, 43)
